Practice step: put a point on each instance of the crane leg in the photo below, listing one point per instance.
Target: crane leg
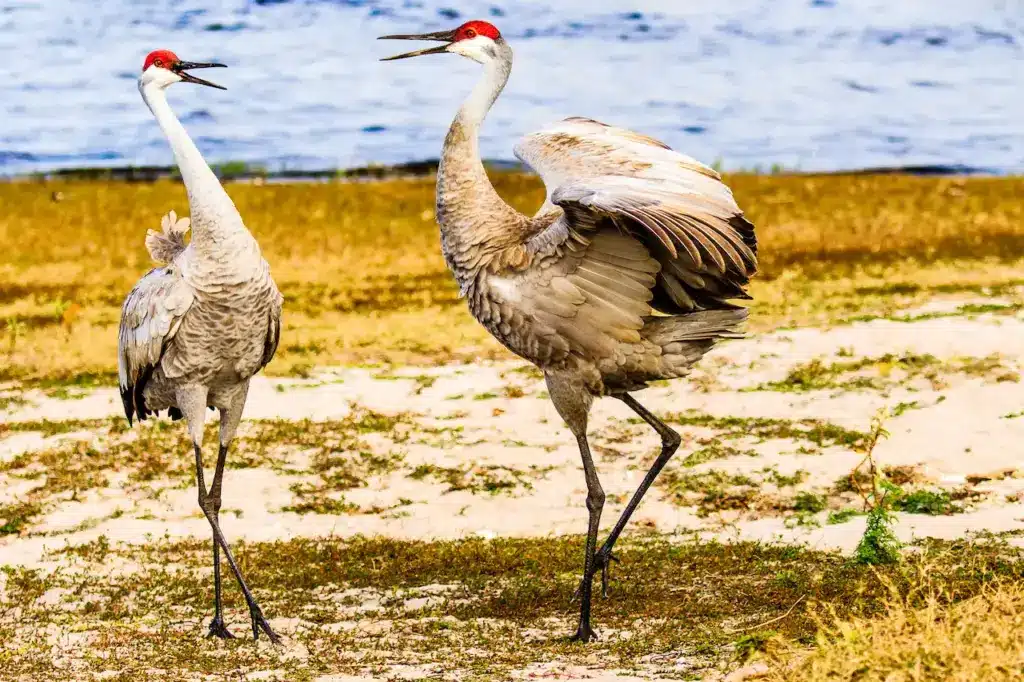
(573, 402)
(595, 503)
(259, 622)
(670, 441)
(217, 626)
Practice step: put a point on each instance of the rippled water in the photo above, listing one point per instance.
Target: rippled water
(806, 84)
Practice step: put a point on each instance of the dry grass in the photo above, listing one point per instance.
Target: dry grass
(976, 640)
(364, 281)
(465, 610)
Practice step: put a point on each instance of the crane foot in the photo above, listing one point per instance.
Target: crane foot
(219, 630)
(260, 623)
(584, 634)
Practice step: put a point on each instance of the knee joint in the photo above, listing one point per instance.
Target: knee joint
(595, 500)
(671, 441)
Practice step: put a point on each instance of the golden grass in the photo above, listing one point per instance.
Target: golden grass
(976, 640)
(364, 281)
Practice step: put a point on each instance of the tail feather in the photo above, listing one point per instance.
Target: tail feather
(684, 339)
(164, 246)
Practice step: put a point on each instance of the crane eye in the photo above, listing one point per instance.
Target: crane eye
(159, 63)
(470, 33)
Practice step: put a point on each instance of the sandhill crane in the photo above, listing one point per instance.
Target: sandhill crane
(622, 277)
(194, 331)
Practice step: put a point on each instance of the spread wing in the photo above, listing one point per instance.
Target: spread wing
(150, 318)
(602, 178)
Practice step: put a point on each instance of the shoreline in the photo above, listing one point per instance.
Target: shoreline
(237, 171)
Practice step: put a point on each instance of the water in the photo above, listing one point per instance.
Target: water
(803, 84)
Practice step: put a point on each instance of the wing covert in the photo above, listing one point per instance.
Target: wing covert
(150, 317)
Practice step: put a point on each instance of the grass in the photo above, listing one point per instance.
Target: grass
(364, 281)
(888, 370)
(319, 462)
(481, 478)
(974, 640)
(815, 432)
(329, 456)
(472, 609)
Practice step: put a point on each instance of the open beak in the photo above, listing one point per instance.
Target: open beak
(181, 68)
(446, 37)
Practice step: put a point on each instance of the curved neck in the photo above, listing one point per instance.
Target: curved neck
(469, 209)
(213, 214)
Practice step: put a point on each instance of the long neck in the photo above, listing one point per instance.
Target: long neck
(471, 213)
(215, 220)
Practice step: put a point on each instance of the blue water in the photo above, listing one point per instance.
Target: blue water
(804, 84)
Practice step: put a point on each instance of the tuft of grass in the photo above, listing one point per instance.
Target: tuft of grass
(712, 449)
(809, 503)
(931, 502)
(816, 432)
(841, 516)
(475, 478)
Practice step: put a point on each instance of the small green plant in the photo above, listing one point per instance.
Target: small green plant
(879, 544)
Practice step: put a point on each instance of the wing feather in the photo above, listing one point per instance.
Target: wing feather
(679, 208)
(150, 317)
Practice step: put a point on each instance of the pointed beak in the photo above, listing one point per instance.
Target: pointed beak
(182, 68)
(446, 37)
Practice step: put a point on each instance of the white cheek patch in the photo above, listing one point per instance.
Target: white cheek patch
(479, 49)
(159, 76)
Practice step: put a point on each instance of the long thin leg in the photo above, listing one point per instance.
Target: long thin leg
(205, 502)
(670, 441)
(217, 626)
(595, 503)
(572, 400)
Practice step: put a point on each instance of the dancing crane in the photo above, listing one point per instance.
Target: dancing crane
(623, 277)
(195, 330)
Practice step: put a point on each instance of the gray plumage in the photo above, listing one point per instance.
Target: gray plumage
(624, 276)
(209, 317)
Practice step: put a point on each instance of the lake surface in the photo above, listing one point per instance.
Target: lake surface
(803, 84)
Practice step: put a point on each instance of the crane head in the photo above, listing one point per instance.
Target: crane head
(474, 39)
(163, 68)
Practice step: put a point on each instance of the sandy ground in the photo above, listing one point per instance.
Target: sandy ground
(959, 430)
